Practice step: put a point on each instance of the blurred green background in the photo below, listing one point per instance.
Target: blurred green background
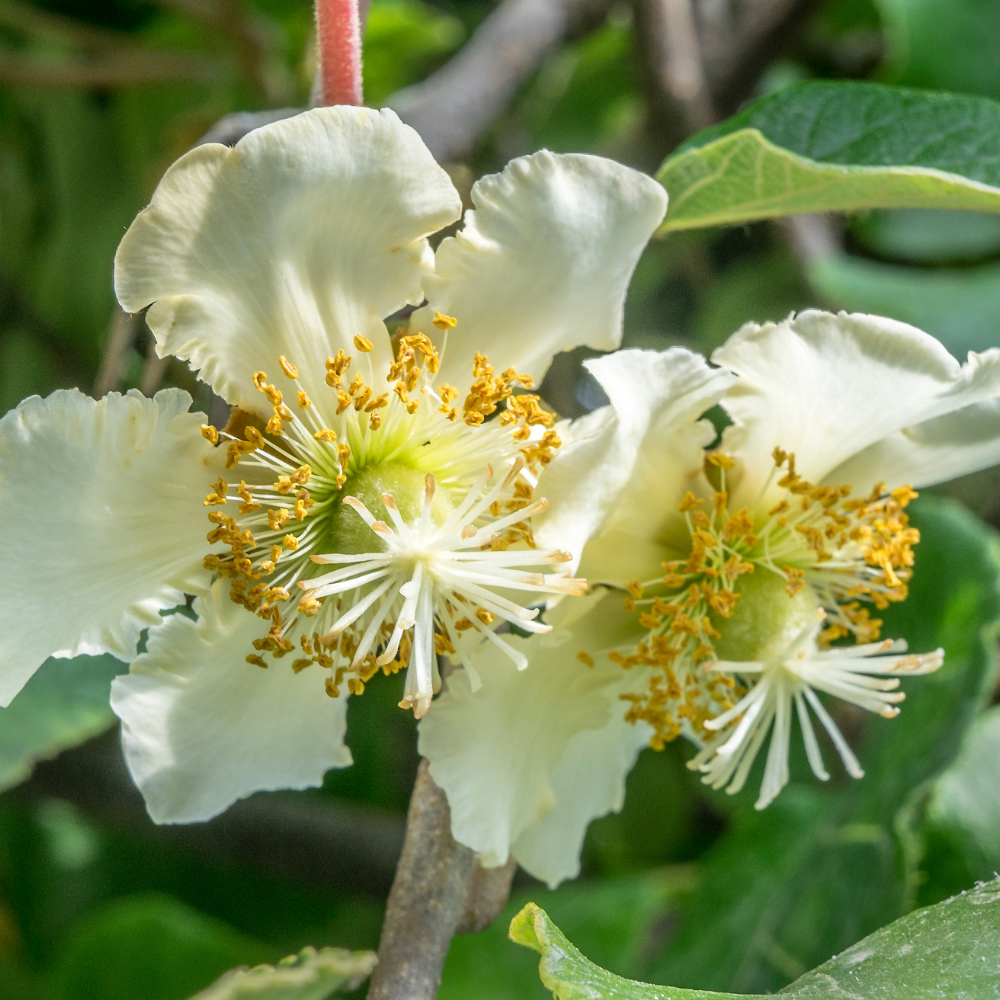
(685, 886)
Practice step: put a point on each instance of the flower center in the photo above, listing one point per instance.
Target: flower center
(755, 577)
(350, 534)
(765, 620)
(397, 490)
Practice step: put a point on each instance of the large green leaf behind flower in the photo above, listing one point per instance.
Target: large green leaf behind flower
(836, 146)
(949, 950)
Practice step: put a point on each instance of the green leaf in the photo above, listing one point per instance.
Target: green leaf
(64, 703)
(959, 306)
(948, 950)
(823, 866)
(570, 976)
(824, 147)
(967, 796)
(613, 919)
(944, 44)
(149, 946)
(309, 975)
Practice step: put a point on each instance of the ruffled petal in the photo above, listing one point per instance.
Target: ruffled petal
(588, 782)
(202, 727)
(542, 264)
(932, 452)
(310, 231)
(615, 483)
(103, 522)
(495, 752)
(827, 387)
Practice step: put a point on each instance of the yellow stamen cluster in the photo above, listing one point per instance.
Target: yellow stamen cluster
(488, 389)
(297, 471)
(848, 551)
(405, 371)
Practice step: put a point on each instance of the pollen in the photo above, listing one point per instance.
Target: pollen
(473, 564)
(851, 554)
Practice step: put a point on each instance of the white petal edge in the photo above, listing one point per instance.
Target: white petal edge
(493, 751)
(935, 451)
(310, 231)
(103, 522)
(542, 264)
(589, 781)
(615, 483)
(203, 728)
(827, 386)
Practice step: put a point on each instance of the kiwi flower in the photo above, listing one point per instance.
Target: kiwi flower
(369, 504)
(742, 578)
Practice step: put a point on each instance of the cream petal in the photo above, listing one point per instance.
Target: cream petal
(101, 503)
(542, 263)
(827, 387)
(310, 231)
(934, 451)
(496, 752)
(615, 483)
(202, 727)
(589, 781)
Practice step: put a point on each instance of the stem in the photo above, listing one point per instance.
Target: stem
(338, 33)
(439, 890)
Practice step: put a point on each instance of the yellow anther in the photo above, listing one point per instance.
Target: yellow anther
(210, 433)
(343, 454)
(277, 519)
(260, 380)
(375, 421)
(720, 460)
(690, 502)
(443, 322)
(290, 542)
(273, 394)
(257, 661)
(356, 385)
(254, 436)
(585, 658)
(326, 435)
(363, 343)
(303, 400)
(287, 367)
(275, 427)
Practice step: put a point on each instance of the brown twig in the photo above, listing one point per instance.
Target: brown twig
(439, 890)
(427, 901)
(121, 336)
(675, 59)
(739, 38)
(110, 70)
(454, 107)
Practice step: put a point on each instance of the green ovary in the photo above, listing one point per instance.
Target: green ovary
(348, 532)
(765, 619)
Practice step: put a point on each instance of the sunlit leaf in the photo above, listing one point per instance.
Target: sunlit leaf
(835, 146)
(309, 975)
(948, 950)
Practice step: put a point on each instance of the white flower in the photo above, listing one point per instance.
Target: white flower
(740, 566)
(370, 494)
